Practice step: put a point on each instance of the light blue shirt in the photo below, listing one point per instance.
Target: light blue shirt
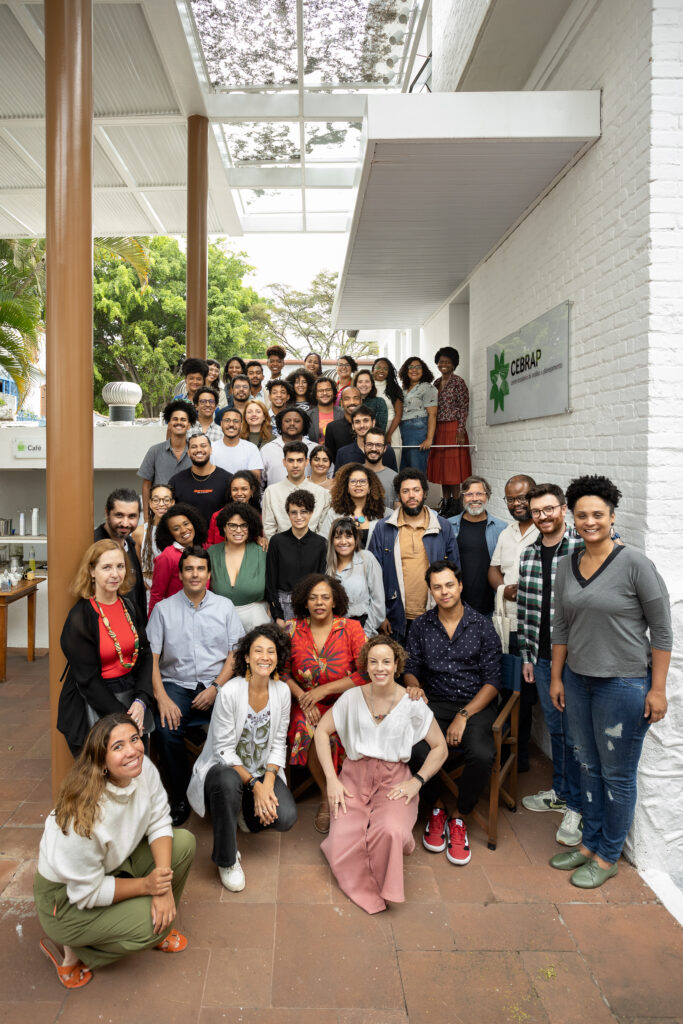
(193, 642)
(494, 528)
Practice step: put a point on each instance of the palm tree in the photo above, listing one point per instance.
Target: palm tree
(19, 319)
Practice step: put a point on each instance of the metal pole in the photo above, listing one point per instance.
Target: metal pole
(69, 257)
(197, 235)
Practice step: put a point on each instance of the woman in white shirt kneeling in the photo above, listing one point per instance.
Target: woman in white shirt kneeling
(378, 725)
(111, 867)
(239, 776)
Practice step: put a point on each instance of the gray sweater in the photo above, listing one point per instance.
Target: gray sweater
(604, 621)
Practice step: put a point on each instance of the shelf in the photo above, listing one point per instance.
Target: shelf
(16, 539)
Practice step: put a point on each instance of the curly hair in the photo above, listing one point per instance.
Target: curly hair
(192, 365)
(305, 418)
(163, 536)
(542, 489)
(367, 373)
(393, 388)
(279, 382)
(350, 360)
(227, 379)
(593, 486)
(180, 405)
(78, 802)
(301, 498)
(249, 514)
(400, 656)
(308, 377)
(266, 430)
(342, 502)
(205, 389)
(246, 474)
(410, 473)
(147, 550)
(83, 584)
(323, 380)
(450, 353)
(427, 375)
(270, 631)
(276, 350)
(302, 592)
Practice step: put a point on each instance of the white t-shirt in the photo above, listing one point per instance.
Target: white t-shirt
(392, 739)
(506, 555)
(244, 455)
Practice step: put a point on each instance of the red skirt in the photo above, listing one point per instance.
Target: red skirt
(448, 465)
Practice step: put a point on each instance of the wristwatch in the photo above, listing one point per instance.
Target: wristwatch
(214, 683)
(464, 712)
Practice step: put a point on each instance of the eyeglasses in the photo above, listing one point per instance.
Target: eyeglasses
(298, 513)
(206, 401)
(546, 512)
(374, 444)
(237, 527)
(523, 499)
(161, 501)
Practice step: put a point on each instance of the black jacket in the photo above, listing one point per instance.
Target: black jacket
(80, 642)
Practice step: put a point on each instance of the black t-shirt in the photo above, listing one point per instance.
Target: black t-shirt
(474, 563)
(544, 644)
(207, 495)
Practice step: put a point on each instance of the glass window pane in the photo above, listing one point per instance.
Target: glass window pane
(248, 42)
(332, 140)
(286, 200)
(263, 141)
(332, 200)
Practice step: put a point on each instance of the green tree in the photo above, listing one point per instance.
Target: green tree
(301, 321)
(18, 337)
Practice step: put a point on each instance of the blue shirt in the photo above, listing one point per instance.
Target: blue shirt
(193, 642)
(454, 668)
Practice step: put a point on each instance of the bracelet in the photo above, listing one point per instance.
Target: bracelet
(273, 771)
(138, 701)
(416, 775)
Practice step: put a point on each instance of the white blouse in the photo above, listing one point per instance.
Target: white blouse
(392, 739)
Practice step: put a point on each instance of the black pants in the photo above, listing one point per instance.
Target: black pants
(477, 747)
(225, 797)
(527, 698)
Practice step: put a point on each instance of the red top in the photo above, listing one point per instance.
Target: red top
(324, 420)
(111, 666)
(165, 575)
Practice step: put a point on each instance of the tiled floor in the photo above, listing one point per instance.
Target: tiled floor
(505, 939)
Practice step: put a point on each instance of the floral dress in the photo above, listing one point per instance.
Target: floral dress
(309, 667)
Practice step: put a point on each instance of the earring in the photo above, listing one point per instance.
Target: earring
(105, 772)
(247, 674)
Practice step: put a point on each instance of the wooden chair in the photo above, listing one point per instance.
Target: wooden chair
(503, 780)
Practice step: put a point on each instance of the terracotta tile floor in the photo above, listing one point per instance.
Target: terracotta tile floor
(505, 939)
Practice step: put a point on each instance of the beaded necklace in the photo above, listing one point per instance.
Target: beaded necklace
(115, 639)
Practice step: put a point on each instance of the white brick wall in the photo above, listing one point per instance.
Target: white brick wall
(455, 24)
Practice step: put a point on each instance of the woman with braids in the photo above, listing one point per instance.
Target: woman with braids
(240, 772)
(356, 493)
(111, 868)
(389, 390)
(378, 724)
(323, 664)
(179, 528)
(161, 497)
(612, 640)
(109, 665)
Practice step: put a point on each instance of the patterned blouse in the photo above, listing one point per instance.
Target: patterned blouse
(417, 399)
(454, 400)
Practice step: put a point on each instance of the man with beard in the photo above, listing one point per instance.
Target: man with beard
(280, 394)
(166, 458)
(255, 375)
(292, 425)
(204, 486)
(375, 446)
(121, 516)
(294, 462)
(504, 574)
(340, 432)
(476, 532)
(362, 420)
(233, 452)
(240, 393)
(324, 411)
(405, 544)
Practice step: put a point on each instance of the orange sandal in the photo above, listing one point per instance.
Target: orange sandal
(173, 943)
(71, 975)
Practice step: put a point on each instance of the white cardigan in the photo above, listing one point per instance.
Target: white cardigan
(227, 724)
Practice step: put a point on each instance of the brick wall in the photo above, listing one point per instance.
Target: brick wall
(455, 24)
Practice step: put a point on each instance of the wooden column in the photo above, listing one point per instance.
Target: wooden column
(197, 234)
(69, 245)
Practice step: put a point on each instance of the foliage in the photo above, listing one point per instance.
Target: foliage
(139, 333)
(301, 321)
(18, 336)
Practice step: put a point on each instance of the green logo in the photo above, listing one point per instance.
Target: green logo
(499, 382)
(21, 447)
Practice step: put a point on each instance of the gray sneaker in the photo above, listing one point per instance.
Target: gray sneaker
(544, 801)
(570, 832)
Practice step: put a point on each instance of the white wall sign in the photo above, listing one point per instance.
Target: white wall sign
(528, 372)
(29, 448)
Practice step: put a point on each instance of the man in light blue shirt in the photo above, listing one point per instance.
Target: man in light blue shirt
(192, 635)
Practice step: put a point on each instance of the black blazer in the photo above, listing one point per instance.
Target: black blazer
(338, 435)
(315, 423)
(80, 642)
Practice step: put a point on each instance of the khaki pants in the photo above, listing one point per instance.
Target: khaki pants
(101, 935)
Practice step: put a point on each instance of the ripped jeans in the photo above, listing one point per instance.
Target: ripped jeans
(605, 718)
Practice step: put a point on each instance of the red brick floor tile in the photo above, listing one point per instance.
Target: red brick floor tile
(8, 867)
(41, 1012)
(628, 887)
(238, 976)
(535, 832)
(467, 884)
(302, 844)
(21, 886)
(418, 879)
(20, 841)
(304, 883)
(635, 953)
(16, 790)
(334, 956)
(501, 926)
(203, 882)
(535, 883)
(203, 923)
(372, 1017)
(26, 976)
(468, 988)
(566, 988)
(261, 872)
(42, 791)
(421, 926)
(270, 1015)
(31, 813)
(23, 767)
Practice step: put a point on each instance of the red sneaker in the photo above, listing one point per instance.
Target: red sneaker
(434, 838)
(458, 849)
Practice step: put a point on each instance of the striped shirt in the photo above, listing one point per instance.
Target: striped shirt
(530, 592)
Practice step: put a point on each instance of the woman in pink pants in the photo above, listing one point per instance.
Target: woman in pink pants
(378, 725)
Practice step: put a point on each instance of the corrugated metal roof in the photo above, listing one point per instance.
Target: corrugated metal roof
(170, 208)
(29, 209)
(118, 213)
(154, 154)
(15, 172)
(104, 173)
(22, 73)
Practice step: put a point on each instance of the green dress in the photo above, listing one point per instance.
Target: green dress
(250, 584)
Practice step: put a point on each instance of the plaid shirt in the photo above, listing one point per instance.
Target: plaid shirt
(530, 592)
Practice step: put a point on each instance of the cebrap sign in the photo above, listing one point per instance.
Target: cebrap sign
(528, 372)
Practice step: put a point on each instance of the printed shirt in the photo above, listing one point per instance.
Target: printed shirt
(338, 657)
(417, 399)
(454, 668)
(454, 400)
(530, 592)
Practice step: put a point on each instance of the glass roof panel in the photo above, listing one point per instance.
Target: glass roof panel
(285, 200)
(332, 141)
(263, 141)
(248, 42)
(329, 200)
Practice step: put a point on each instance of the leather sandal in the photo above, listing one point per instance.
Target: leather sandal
(321, 822)
(173, 943)
(71, 975)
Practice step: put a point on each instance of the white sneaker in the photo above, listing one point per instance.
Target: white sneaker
(233, 878)
(546, 800)
(570, 832)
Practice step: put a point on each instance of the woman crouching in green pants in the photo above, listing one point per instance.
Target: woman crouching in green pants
(111, 867)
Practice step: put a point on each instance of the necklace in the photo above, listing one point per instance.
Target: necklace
(195, 477)
(115, 639)
(359, 519)
(379, 718)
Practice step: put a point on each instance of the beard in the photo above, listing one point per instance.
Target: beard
(200, 462)
(521, 515)
(413, 511)
(474, 508)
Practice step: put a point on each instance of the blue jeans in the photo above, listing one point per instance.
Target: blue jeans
(170, 743)
(566, 780)
(413, 432)
(606, 720)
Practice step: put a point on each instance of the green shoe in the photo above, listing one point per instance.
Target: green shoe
(568, 861)
(591, 875)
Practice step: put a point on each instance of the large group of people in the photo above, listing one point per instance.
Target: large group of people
(283, 591)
